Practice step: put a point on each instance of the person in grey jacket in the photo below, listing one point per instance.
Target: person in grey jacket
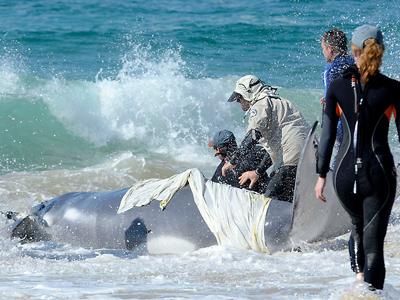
(278, 126)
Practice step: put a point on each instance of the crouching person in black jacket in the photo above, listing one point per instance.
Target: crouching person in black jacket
(224, 145)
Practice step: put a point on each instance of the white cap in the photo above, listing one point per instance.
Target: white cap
(246, 87)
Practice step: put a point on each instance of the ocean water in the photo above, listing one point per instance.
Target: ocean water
(96, 95)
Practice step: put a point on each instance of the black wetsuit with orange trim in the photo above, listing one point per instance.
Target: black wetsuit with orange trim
(364, 175)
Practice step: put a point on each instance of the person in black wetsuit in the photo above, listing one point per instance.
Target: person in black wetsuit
(364, 176)
(224, 144)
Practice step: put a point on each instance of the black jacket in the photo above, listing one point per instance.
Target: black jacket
(250, 161)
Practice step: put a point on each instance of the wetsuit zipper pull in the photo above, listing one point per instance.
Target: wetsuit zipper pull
(357, 166)
(355, 179)
(353, 85)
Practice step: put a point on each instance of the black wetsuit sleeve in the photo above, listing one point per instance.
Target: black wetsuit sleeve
(398, 119)
(231, 178)
(265, 163)
(397, 110)
(250, 140)
(328, 136)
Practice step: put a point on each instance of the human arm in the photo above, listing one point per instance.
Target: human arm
(319, 189)
(256, 171)
(248, 143)
(327, 140)
(266, 119)
(397, 111)
(256, 168)
(265, 163)
(328, 136)
(230, 177)
(253, 168)
(226, 167)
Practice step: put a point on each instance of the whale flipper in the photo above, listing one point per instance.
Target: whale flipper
(30, 229)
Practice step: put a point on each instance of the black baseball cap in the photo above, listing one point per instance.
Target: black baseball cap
(222, 139)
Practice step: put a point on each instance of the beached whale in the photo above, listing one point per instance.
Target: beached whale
(192, 212)
(90, 219)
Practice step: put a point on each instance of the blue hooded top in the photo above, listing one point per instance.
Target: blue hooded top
(334, 69)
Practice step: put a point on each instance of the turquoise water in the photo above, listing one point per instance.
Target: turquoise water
(82, 80)
(96, 95)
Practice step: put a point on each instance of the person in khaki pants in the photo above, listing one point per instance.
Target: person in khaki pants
(278, 126)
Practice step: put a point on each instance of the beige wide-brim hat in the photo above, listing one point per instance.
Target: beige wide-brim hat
(247, 86)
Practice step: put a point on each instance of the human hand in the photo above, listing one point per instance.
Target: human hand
(322, 101)
(226, 167)
(249, 175)
(319, 189)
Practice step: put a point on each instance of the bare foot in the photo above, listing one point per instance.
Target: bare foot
(360, 276)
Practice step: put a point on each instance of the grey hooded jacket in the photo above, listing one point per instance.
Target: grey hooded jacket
(283, 129)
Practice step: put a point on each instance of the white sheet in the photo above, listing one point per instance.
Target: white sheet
(235, 216)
